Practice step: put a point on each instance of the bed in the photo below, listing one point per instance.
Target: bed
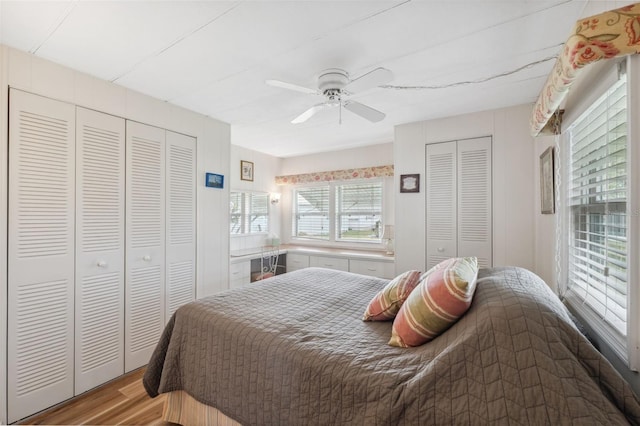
(293, 350)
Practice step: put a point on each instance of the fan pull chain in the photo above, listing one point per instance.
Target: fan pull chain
(340, 114)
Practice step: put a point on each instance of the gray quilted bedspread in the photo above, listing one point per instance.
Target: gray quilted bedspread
(293, 350)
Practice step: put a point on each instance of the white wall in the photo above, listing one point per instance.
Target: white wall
(265, 170)
(29, 73)
(367, 156)
(513, 183)
(545, 224)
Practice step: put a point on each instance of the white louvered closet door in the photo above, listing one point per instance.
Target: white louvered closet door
(99, 326)
(441, 199)
(181, 221)
(145, 242)
(474, 200)
(41, 253)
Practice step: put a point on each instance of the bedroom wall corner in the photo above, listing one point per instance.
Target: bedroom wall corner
(409, 158)
(213, 211)
(513, 198)
(545, 224)
(4, 143)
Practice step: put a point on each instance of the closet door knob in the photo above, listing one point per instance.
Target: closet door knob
(102, 263)
(146, 258)
(440, 249)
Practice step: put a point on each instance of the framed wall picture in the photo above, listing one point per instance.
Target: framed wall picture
(214, 180)
(246, 170)
(547, 188)
(410, 183)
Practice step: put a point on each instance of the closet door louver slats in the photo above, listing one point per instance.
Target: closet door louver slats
(441, 208)
(41, 253)
(180, 221)
(458, 201)
(99, 351)
(474, 200)
(145, 242)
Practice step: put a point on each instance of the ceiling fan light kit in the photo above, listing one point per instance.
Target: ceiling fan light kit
(333, 79)
(335, 85)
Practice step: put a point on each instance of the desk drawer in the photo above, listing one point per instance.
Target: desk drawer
(239, 274)
(297, 261)
(338, 263)
(372, 268)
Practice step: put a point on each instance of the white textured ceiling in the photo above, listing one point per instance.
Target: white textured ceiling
(214, 56)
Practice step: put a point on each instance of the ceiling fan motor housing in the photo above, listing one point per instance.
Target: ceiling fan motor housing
(332, 81)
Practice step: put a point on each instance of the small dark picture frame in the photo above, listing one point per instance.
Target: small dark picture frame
(547, 187)
(246, 170)
(410, 183)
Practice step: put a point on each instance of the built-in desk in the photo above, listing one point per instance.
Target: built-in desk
(365, 262)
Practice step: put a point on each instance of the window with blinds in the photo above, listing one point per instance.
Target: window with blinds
(258, 213)
(249, 213)
(597, 204)
(311, 212)
(359, 212)
(339, 212)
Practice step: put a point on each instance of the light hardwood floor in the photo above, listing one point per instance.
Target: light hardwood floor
(120, 402)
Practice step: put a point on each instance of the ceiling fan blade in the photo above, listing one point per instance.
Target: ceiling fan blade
(375, 78)
(364, 111)
(309, 113)
(290, 86)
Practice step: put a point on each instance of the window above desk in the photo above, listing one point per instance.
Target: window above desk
(249, 213)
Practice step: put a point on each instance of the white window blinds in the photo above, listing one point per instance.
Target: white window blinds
(597, 202)
(359, 211)
(249, 213)
(235, 206)
(258, 213)
(311, 212)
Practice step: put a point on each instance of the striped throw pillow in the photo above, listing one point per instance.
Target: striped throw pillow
(438, 301)
(385, 305)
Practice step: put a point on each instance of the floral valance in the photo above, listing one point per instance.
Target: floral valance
(361, 173)
(604, 36)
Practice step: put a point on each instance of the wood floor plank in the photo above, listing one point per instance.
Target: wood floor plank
(133, 390)
(122, 401)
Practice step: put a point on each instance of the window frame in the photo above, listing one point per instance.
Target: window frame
(333, 238)
(340, 212)
(295, 213)
(625, 347)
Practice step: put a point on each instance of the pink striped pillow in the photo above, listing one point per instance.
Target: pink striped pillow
(438, 301)
(385, 305)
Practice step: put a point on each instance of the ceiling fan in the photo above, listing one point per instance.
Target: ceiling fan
(336, 85)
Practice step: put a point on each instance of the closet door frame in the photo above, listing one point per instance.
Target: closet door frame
(443, 244)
